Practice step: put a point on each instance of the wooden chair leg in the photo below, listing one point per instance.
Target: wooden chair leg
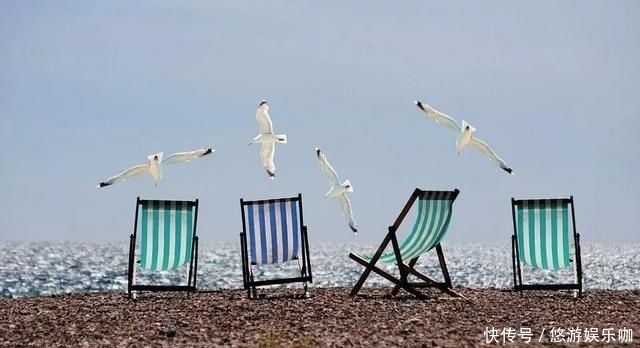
(369, 265)
(396, 288)
(386, 275)
(443, 266)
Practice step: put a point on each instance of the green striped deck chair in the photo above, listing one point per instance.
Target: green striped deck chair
(433, 217)
(543, 231)
(164, 238)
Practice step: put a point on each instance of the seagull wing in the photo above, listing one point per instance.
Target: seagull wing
(266, 156)
(264, 121)
(487, 151)
(180, 157)
(133, 171)
(346, 210)
(327, 168)
(439, 117)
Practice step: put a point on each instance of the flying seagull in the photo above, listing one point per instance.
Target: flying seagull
(155, 165)
(465, 135)
(267, 138)
(338, 190)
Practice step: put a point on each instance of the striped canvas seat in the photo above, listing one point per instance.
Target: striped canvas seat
(273, 232)
(433, 218)
(166, 234)
(164, 238)
(432, 221)
(543, 232)
(543, 228)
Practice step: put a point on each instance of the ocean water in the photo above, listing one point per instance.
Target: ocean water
(33, 269)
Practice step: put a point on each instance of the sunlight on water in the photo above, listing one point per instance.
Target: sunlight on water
(31, 269)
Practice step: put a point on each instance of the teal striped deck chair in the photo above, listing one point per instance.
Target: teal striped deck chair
(273, 233)
(543, 231)
(164, 238)
(433, 217)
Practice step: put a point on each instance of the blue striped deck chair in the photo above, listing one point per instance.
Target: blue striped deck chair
(164, 238)
(543, 232)
(273, 232)
(433, 217)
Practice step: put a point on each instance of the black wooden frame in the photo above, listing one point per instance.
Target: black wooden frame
(515, 253)
(249, 283)
(193, 264)
(405, 269)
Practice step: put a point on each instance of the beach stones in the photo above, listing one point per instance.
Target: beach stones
(329, 318)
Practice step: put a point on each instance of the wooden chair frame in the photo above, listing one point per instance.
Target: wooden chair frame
(304, 262)
(193, 263)
(518, 284)
(406, 269)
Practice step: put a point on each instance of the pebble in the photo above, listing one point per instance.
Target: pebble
(329, 318)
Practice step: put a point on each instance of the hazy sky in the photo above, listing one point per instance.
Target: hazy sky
(89, 88)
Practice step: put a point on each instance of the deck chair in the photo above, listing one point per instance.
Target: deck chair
(167, 240)
(432, 221)
(273, 232)
(542, 234)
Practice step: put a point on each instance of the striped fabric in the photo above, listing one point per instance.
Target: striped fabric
(273, 230)
(432, 221)
(543, 228)
(166, 234)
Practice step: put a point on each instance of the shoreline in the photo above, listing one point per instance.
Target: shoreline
(329, 318)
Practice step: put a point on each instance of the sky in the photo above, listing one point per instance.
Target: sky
(90, 88)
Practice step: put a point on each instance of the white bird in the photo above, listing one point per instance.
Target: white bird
(155, 165)
(338, 190)
(465, 135)
(267, 138)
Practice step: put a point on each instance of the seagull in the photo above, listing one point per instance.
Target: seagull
(338, 190)
(155, 165)
(267, 138)
(465, 135)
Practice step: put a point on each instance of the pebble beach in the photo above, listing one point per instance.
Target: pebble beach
(328, 318)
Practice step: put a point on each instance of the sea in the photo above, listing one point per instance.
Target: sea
(46, 268)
